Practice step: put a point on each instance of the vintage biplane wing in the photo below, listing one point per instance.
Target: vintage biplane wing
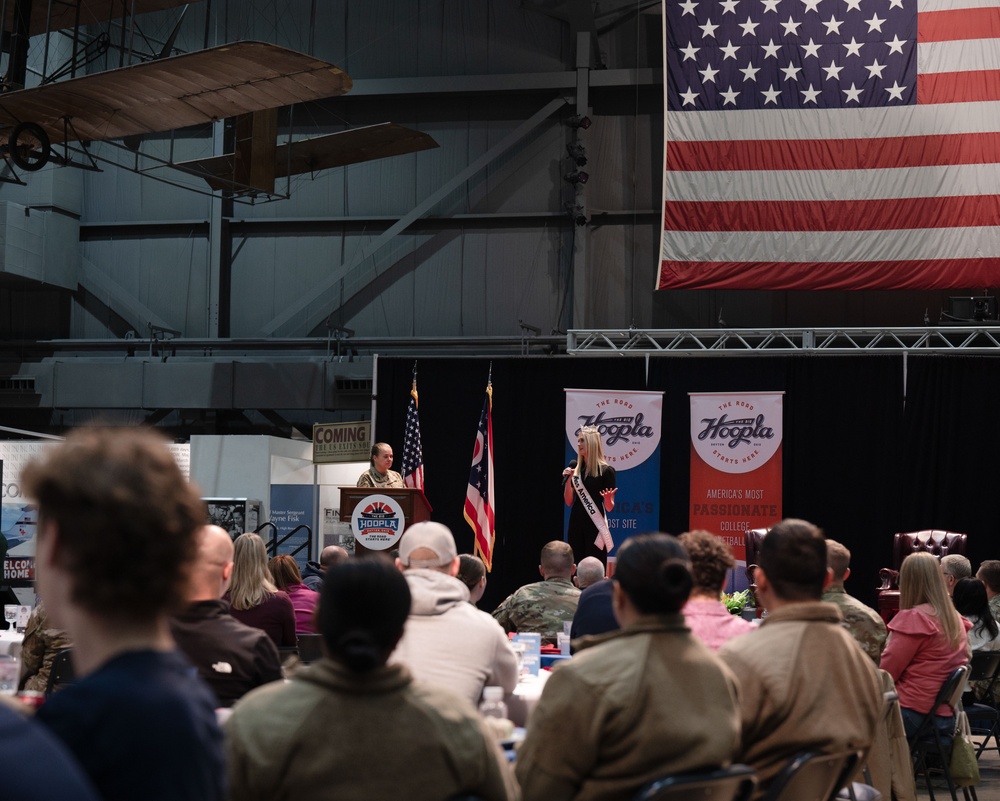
(258, 163)
(163, 95)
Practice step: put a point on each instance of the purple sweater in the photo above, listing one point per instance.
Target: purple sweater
(275, 616)
(304, 602)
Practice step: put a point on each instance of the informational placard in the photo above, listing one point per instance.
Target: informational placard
(629, 424)
(342, 442)
(378, 522)
(736, 463)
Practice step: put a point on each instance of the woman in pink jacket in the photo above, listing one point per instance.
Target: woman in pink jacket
(927, 641)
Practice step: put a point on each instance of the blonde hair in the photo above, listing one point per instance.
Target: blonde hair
(920, 582)
(251, 584)
(595, 453)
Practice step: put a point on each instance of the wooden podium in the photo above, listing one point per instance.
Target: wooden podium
(412, 502)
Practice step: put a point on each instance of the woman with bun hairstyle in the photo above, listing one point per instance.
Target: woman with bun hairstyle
(279, 737)
(600, 730)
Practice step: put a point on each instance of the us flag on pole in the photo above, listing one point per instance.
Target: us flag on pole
(831, 144)
(479, 495)
(413, 453)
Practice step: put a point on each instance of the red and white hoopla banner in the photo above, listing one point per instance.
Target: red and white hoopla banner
(735, 463)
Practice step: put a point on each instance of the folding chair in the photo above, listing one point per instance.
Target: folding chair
(61, 673)
(735, 783)
(983, 717)
(813, 777)
(928, 740)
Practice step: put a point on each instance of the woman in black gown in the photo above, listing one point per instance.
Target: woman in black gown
(598, 479)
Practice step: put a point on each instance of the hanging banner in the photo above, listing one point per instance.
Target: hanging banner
(735, 463)
(629, 426)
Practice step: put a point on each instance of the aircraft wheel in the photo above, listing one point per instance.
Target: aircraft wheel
(29, 146)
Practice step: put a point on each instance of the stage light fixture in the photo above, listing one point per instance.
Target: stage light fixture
(579, 121)
(579, 177)
(578, 153)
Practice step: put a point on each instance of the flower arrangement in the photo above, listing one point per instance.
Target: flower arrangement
(735, 602)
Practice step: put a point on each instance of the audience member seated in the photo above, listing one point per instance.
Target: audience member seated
(804, 683)
(285, 574)
(544, 606)
(36, 765)
(588, 572)
(40, 646)
(639, 703)
(231, 657)
(115, 539)
(447, 641)
(594, 614)
(352, 727)
(705, 614)
(969, 597)
(472, 573)
(954, 567)
(331, 555)
(989, 574)
(253, 597)
(927, 641)
(864, 623)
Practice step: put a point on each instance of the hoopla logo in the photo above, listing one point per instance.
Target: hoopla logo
(628, 423)
(736, 433)
(377, 521)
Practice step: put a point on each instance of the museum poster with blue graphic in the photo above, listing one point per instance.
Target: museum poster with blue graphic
(292, 510)
(629, 427)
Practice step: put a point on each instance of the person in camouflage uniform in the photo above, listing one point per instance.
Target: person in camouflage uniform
(41, 644)
(544, 606)
(864, 623)
(989, 574)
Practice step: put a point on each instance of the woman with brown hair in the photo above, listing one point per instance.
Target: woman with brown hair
(927, 641)
(253, 597)
(287, 578)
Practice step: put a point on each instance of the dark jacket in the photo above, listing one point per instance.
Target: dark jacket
(312, 576)
(231, 657)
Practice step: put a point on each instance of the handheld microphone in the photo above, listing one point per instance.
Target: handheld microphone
(572, 463)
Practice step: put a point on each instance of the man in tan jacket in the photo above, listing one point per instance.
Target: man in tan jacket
(803, 682)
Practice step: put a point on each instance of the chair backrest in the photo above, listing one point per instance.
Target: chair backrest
(62, 672)
(310, 647)
(735, 783)
(813, 777)
(752, 539)
(984, 665)
(933, 541)
(949, 694)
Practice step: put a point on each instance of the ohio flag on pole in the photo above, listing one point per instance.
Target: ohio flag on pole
(413, 453)
(479, 495)
(831, 144)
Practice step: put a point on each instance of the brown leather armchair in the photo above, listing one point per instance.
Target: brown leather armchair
(751, 541)
(933, 541)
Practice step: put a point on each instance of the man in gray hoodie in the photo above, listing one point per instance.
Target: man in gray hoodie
(447, 641)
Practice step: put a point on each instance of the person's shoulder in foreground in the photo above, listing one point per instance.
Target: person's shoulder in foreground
(36, 766)
(115, 541)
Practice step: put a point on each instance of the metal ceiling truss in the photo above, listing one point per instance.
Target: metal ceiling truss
(981, 339)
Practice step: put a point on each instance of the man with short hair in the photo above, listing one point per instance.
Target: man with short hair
(448, 641)
(115, 539)
(588, 572)
(864, 623)
(546, 605)
(804, 683)
(954, 567)
(314, 572)
(989, 574)
(231, 657)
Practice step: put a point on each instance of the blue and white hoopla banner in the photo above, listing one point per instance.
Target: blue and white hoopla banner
(629, 424)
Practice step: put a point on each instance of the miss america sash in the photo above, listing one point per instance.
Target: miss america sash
(603, 539)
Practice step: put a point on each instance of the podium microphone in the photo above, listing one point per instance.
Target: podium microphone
(572, 463)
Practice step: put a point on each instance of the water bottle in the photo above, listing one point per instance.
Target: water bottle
(492, 705)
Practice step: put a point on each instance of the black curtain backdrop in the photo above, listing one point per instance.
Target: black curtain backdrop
(862, 457)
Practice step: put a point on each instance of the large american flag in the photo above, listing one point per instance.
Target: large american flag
(831, 144)
(413, 452)
(479, 494)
